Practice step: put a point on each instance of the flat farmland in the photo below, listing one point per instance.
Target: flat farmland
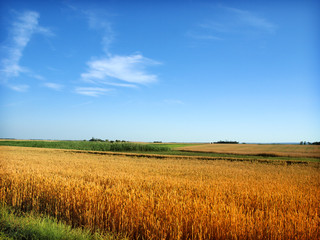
(280, 150)
(168, 198)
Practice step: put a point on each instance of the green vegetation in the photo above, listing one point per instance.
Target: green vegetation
(152, 148)
(28, 226)
(90, 145)
(226, 142)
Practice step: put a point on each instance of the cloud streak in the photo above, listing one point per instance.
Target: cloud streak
(252, 20)
(19, 87)
(20, 34)
(202, 36)
(125, 71)
(22, 30)
(92, 91)
(54, 86)
(99, 22)
(234, 22)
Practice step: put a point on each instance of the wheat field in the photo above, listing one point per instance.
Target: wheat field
(168, 198)
(281, 150)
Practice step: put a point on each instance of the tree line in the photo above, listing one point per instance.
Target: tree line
(309, 143)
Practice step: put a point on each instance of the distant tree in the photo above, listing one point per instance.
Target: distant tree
(95, 140)
(301, 143)
(226, 142)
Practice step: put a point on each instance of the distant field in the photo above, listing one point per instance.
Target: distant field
(88, 145)
(167, 198)
(196, 149)
(281, 150)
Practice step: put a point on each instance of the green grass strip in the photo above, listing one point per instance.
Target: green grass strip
(22, 226)
(91, 146)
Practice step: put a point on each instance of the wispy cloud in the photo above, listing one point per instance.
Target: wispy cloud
(234, 22)
(92, 91)
(21, 32)
(202, 36)
(97, 20)
(22, 29)
(214, 26)
(112, 69)
(252, 20)
(19, 87)
(53, 86)
(125, 71)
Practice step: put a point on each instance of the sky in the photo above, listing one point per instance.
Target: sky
(171, 71)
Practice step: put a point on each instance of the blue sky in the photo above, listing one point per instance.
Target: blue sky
(186, 71)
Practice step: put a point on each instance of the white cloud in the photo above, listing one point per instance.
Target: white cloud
(20, 34)
(121, 84)
(114, 70)
(127, 69)
(11, 68)
(44, 31)
(218, 27)
(252, 20)
(234, 22)
(24, 27)
(92, 91)
(202, 36)
(37, 76)
(97, 20)
(19, 88)
(53, 86)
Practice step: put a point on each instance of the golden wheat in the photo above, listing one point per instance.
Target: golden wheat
(170, 198)
(285, 150)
